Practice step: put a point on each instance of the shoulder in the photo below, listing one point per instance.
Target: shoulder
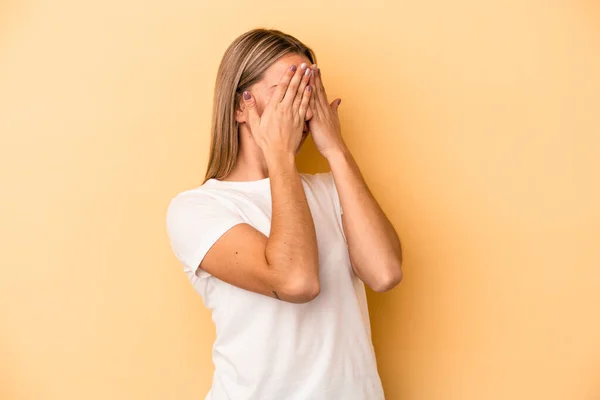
(199, 196)
(322, 184)
(201, 204)
(208, 194)
(195, 220)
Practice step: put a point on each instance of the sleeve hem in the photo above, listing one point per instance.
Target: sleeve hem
(201, 252)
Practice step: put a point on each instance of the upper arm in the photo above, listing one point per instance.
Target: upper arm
(238, 258)
(211, 239)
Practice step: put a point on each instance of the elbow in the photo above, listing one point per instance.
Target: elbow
(302, 290)
(301, 285)
(296, 282)
(389, 279)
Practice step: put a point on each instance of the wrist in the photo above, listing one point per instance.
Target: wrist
(340, 152)
(277, 160)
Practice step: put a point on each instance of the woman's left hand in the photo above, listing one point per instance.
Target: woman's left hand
(324, 125)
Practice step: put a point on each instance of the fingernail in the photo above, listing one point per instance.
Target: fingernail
(293, 68)
(308, 88)
(303, 65)
(314, 67)
(307, 72)
(247, 96)
(339, 102)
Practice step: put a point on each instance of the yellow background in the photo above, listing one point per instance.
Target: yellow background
(476, 124)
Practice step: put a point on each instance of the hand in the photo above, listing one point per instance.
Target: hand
(279, 128)
(324, 125)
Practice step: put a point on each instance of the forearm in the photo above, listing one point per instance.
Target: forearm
(373, 244)
(291, 249)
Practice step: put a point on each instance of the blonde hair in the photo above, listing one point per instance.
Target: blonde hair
(243, 64)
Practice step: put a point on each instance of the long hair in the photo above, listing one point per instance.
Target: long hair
(243, 64)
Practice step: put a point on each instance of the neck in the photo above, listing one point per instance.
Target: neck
(250, 164)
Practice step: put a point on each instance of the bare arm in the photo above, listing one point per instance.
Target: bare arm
(373, 244)
(286, 264)
(293, 242)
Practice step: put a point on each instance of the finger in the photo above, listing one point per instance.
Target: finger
(250, 112)
(313, 102)
(320, 89)
(335, 104)
(305, 102)
(293, 87)
(303, 83)
(283, 84)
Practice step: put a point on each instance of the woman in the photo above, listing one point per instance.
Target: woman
(269, 250)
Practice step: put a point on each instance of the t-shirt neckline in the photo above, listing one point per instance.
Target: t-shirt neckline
(258, 184)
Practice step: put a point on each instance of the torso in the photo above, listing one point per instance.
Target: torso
(269, 349)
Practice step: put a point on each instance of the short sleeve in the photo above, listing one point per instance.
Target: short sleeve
(334, 192)
(195, 221)
(329, 182)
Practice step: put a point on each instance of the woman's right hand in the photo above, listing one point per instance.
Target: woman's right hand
(279, 129)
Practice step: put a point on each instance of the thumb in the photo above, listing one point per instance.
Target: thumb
(335, 104)
(250, 111)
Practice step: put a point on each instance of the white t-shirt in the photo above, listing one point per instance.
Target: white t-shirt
(265, 348)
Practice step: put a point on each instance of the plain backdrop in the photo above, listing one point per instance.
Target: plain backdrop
(477, 127)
